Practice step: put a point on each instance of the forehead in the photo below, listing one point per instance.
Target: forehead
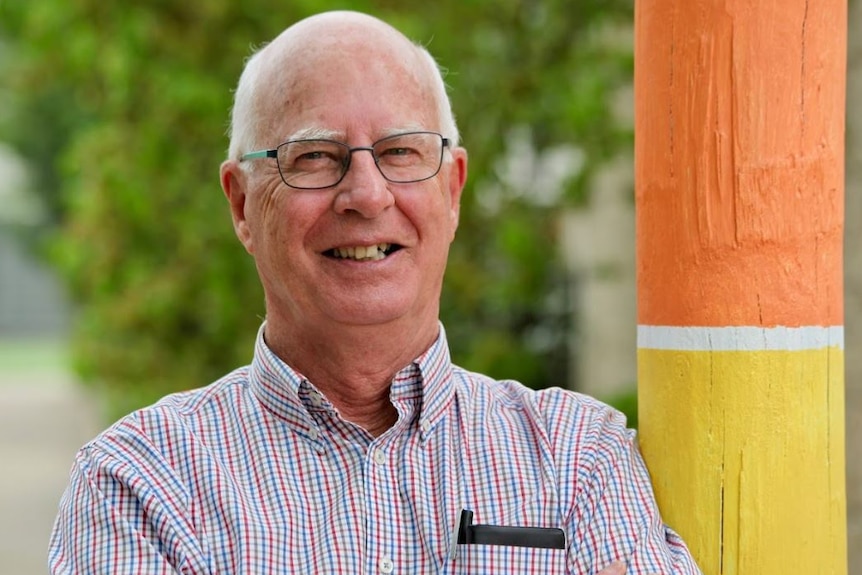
(346, 84)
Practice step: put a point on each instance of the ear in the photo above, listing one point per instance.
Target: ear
(457, 179)
(234, 182)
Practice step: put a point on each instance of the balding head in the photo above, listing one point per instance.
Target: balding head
(349, 44)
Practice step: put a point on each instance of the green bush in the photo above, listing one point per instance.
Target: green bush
(122, 107)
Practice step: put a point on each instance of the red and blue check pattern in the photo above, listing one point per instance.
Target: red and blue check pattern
(257, 474)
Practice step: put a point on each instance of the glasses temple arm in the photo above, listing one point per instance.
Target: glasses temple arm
(259, 154)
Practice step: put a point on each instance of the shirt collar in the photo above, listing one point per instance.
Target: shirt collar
(277, 386)
(435, 367)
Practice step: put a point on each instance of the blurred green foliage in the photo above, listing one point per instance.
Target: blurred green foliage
(627, 403)
(121, 110)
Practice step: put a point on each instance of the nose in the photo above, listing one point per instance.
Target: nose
(363, 190)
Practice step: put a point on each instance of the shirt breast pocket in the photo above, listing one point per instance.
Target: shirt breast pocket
(505, 559)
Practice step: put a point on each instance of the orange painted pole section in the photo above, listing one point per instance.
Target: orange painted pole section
(739, 154)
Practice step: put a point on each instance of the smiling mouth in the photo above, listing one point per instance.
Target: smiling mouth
(363, 253)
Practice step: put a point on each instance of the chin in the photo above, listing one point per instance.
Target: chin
(370, 313)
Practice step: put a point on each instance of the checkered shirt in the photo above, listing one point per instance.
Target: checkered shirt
(257, 474)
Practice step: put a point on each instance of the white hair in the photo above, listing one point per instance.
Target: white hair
(245, 117)
(445, 115)
(247, 112)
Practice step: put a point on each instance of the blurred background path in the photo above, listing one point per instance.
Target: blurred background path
(44, 419)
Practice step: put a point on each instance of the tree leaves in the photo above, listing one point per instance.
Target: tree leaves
(121, 109)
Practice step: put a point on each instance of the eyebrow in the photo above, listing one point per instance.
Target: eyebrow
(314, 133)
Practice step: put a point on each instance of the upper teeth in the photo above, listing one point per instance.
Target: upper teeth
(375, 252)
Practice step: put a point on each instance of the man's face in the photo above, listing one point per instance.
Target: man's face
(298, 237)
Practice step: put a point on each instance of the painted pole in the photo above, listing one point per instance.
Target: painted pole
(739, 155)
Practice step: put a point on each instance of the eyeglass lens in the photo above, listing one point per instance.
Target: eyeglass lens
(401, 158)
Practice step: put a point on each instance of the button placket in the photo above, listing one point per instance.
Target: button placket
(380, 487)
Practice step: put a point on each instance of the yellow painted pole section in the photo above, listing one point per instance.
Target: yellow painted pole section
(739, 154)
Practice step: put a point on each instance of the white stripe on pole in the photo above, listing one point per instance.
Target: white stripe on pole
(740, 338)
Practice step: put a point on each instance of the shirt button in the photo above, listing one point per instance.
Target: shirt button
(379, 457)
(386, 565)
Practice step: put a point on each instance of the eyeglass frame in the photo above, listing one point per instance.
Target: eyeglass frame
(273, 153)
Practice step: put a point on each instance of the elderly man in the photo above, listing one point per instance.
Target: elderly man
(352, 444)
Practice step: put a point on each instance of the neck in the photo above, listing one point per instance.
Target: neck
(353, 366)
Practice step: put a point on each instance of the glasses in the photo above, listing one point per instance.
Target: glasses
(317, 164)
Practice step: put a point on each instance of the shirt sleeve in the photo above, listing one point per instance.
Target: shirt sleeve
(615, 516)
(116, 518)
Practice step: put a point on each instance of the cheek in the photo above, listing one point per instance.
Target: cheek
(266, 223)
(290, 224)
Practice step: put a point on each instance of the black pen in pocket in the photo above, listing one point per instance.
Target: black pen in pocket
(535, 537)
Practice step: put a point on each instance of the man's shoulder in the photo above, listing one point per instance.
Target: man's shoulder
(570, 429)
(194, 402)
(179, 412)
(551, 405)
